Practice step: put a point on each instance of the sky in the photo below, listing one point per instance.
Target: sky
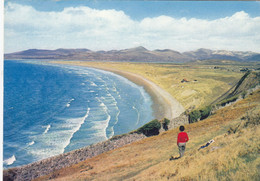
(108, 25)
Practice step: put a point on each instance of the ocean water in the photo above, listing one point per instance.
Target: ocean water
(52, 109)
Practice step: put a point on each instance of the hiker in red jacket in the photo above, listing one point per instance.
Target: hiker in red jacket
(181, 141)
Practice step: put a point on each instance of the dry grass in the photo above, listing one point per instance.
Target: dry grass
(233, 156)
(210, 84)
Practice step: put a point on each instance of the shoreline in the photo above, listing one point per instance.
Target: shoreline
(164, 105)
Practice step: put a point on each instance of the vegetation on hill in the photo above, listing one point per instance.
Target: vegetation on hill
(165, 124)
(199, 114)
(150, 129)
(153, 127)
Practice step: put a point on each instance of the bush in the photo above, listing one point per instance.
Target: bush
(150, 129)
(194, 116)
(165, 124)
(205, 112)
(226, 101)
(244, 94)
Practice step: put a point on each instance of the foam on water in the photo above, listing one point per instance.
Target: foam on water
(102, 125)
(93, 84)
(58, 139)
(31, 143)
(113, 110)
(68, 104)
(47, 129)
(10, 160)
(138, 115)
(76, 128)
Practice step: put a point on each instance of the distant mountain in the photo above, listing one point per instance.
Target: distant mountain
(140, 54)
(206, 54)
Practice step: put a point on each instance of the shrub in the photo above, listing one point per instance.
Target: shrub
(244, 94)
(194, 116)
(226, 101)
(150, 129)
(165, 124)
(205, 112)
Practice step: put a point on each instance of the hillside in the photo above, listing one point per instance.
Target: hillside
(243, 87)
(138, 54)
(233, 156)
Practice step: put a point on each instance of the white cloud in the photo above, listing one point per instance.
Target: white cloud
(83, 27)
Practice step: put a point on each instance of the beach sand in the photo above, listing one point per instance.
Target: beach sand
(164, 105)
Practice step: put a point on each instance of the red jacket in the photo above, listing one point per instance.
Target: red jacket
(182, 137)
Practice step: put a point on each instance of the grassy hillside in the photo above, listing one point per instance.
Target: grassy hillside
(233, 156)
(205, 84)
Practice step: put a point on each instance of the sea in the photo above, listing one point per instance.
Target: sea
(51, 109)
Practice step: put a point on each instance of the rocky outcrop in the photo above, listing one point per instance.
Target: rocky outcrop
(176, 122)
(49, 165)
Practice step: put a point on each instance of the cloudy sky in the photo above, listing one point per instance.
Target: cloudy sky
(107, 25)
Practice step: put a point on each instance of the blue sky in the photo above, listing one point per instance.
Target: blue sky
(142, 9)
(106, 25)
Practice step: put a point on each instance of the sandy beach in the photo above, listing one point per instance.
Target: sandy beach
(164, 105)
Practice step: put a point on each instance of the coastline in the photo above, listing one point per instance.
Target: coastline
(164, 105)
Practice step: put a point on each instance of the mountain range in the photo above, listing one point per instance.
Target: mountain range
(138, 54)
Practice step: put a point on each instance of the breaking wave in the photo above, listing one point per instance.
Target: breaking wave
(10, 160)
(47, 129)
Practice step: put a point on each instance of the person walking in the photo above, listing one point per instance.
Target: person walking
(181, 140)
